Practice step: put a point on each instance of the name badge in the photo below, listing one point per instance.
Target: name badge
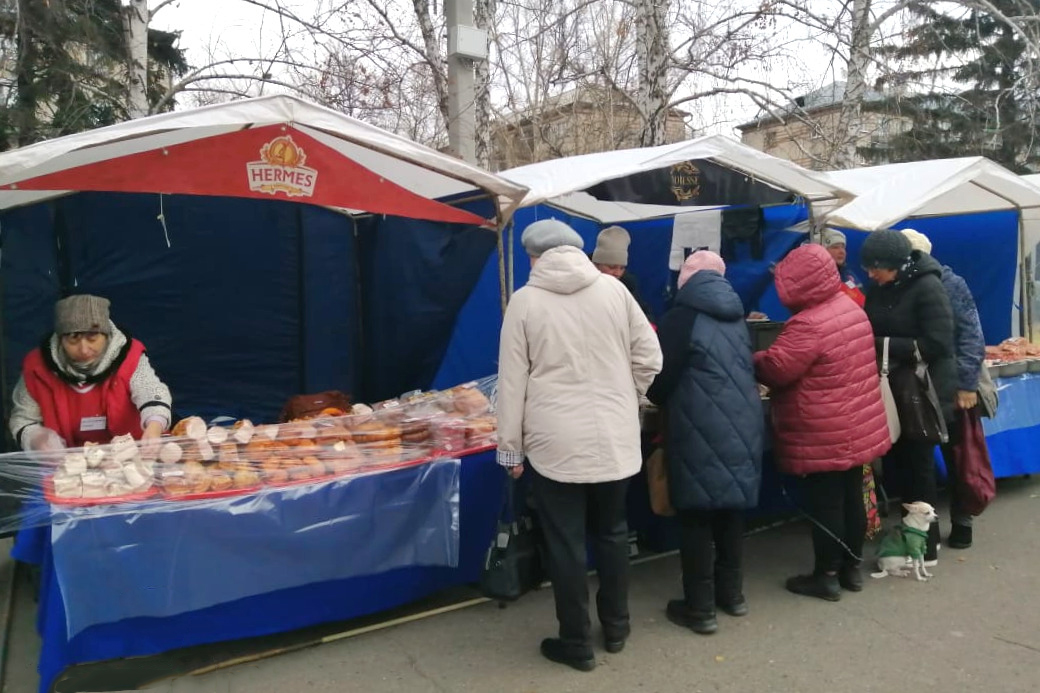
(93, 423)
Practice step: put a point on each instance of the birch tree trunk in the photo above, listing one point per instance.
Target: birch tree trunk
(851, 118)
(135, 22)
(652, 54)
(434, 56)
(483, 19)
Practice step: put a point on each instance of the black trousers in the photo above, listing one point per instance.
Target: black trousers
(958, 515)
(570, 514)
(711, 552)
(835, 500)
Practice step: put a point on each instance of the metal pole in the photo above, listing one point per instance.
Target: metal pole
(461, 120)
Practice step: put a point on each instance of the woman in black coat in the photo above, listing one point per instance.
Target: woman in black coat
(909, 305)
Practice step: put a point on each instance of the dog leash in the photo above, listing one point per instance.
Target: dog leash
(806, 515)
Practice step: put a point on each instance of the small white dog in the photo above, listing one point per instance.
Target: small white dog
(902, 550)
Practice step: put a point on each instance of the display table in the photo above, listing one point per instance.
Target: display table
(1014, 435)
(265, 613)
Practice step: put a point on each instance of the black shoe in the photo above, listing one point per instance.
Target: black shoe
(680, 613)
(850, 578)
(737, 608)
(960, 537)
(819, 586)
(614, 645)
(931, 551)
(560, 652)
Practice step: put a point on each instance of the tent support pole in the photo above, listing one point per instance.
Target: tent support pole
(503, 295)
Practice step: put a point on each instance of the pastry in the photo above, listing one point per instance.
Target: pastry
(470, 401)
(245, 477)
(220, 481)
(217, 435)
(206, 452)
(170, 452)
(74, 464)
(192, 427)
(243, 431)
(374, 431)
(124, 448)
(94, 484)
(94, 454)
(68, 485)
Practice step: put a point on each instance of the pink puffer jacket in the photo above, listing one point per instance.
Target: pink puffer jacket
(826, 395)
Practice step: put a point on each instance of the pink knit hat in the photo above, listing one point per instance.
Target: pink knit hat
(701, 260)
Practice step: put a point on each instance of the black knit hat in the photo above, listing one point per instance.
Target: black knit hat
(884, 250)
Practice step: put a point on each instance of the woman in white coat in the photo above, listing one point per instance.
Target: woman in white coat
(576, 355)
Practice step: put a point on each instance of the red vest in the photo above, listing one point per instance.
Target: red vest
(854, 293)
(105, 411)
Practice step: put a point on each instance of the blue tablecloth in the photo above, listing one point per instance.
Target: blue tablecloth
(263, 614)
(1014, 435)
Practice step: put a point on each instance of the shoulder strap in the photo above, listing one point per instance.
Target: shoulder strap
(884, 357)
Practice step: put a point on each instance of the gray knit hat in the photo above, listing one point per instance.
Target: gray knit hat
(548, 234)
(82, 313)
(612, 247)
(884, 250)
(832, 237)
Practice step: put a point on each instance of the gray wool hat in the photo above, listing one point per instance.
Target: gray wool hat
(82, 313)
(612, 247)
(832, 237)
(547, 234)
(884, 250)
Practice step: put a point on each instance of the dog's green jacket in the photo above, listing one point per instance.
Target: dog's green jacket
(903, 541)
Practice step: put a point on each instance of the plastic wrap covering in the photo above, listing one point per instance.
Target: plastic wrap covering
(1019, 405)
(204, 462)
(179, 557)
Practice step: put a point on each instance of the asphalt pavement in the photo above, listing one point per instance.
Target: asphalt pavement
(974, 626)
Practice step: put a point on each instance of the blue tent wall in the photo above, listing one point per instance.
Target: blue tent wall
(416, 276)
(253, 301)
(983, 249)
(230, 312)
(473, 350)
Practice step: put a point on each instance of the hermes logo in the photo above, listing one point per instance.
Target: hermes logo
(281, 170)
(686, 181)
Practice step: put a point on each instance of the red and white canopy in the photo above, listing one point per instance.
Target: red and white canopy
(273, 147)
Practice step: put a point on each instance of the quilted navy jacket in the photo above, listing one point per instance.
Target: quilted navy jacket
(969, 344)
(715, 421)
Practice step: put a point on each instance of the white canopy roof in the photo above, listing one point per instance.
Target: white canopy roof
(888, 194)
(560, 181)
(414, 167)
(1033, 178)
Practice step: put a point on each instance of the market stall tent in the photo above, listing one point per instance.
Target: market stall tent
(192, 224)
(628, 187)
(273, 147)
(971, 208)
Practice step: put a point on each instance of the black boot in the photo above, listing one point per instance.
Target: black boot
(574, 656)
(960, 537)
(681, 614)
(850, 578)
(729, 591)
(821, 586)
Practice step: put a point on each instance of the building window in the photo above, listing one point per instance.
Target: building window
(770, 140)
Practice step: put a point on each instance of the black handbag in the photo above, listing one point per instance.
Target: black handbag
(920, 414)
(513, 563)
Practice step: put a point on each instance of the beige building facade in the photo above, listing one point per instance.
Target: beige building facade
(810, 131)
(582, 121)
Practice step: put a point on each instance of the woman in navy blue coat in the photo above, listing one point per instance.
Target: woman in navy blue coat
(714, 438)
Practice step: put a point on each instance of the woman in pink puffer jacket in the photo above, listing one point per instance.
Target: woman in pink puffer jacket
(828, 417)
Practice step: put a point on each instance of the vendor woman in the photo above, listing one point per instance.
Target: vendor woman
(87, 382)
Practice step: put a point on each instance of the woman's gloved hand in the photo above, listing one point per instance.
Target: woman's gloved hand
(45, 440)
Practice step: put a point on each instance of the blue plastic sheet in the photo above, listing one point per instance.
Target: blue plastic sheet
(161, 563)
(1019, 404)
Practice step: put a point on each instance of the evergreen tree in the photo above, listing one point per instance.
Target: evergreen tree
(70, 71)
(990, 112)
